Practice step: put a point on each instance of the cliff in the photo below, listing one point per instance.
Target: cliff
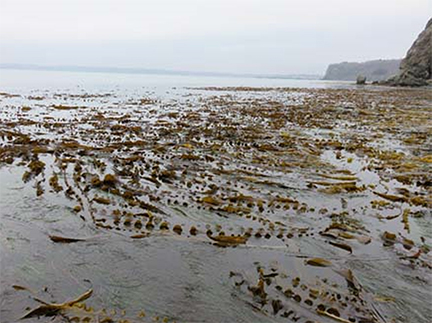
(416, 67)
(377, 70)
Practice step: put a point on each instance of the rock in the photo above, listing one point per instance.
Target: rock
(361, 80)
(416, 67)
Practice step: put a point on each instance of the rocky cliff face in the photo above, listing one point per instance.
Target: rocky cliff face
(416, 67)
(377, 70)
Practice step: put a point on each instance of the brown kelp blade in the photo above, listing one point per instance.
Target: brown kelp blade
(228, 240)
(48, 309)
(318, 262)
(60, 239)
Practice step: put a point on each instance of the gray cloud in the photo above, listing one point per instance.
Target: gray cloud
(272, 36)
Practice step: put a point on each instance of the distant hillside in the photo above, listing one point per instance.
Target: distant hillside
(126, 70)
(376, 70)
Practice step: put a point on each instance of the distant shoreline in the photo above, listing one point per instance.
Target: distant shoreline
(118, 70)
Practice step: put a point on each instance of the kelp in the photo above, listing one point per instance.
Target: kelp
(54, 183)
(318, 262)
(276, 294)
(222, 240)
(76, 310)
(339, 178)
(64, 107)
(36, 167)
(49, 309)
(343, 246)
(332, 316)
(60, 239)
(252, 168)
(393, 198)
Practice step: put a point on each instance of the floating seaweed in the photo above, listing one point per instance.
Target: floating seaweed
(281, 169)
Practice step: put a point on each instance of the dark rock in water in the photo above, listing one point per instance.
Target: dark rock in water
(361, 80)
(416, 67)
(377, 70)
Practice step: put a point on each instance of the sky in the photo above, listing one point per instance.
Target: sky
(237, 36)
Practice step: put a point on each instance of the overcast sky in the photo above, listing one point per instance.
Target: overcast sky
(251, 36)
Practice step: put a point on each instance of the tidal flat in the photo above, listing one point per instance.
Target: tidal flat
(216, 204)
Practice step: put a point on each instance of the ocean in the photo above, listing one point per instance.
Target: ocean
(212, 199)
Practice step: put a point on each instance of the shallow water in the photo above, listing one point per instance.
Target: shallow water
(219, 159)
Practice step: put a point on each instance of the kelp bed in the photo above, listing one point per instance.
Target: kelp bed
(217, 205)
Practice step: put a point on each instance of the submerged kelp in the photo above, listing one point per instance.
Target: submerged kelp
(309, 198)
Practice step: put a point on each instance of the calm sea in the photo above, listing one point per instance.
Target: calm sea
(28, 80)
